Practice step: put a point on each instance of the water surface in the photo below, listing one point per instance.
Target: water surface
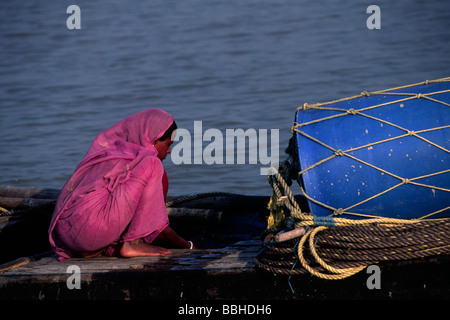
(230, 64)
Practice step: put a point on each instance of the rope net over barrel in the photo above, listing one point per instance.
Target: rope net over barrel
(334, 239)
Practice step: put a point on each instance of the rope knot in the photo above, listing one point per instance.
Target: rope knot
(351, 111)
(338, 212)
(365, 94)
(419, 95)
(282, 200)
(410, 133)
(295, 126)
(406, 181)
(339, 153)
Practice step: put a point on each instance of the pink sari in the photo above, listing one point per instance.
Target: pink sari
(116, 193)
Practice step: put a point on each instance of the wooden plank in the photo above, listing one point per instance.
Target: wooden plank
(202, 259)
(9, 191)
(23, 261)
(184, 214)
(109, 277)
(13, 197)
(21, 203)
(214, 274)
(19, 197)
(203, 223)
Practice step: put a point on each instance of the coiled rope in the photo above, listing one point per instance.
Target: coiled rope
(333, 247)
(336, 248)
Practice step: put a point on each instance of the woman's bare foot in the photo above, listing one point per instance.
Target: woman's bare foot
(139, 248)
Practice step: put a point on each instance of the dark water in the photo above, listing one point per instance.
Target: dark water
(230, 64)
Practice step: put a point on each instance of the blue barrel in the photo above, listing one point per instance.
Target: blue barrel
(378, 154)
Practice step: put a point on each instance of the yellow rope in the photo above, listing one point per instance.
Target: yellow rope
(283, 196)
(313, 225)
(336, 273)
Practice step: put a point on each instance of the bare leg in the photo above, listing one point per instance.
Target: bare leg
(171, 239)
(139, 248)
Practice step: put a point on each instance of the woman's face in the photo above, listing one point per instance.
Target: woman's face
(163, 148)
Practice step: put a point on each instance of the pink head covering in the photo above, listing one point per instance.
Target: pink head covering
(134, 132)
(116, 192)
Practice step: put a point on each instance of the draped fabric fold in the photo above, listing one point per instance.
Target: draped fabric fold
(117, 192)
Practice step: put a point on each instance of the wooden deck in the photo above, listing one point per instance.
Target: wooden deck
(226, 271)
(213, 274)
(182, 274)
